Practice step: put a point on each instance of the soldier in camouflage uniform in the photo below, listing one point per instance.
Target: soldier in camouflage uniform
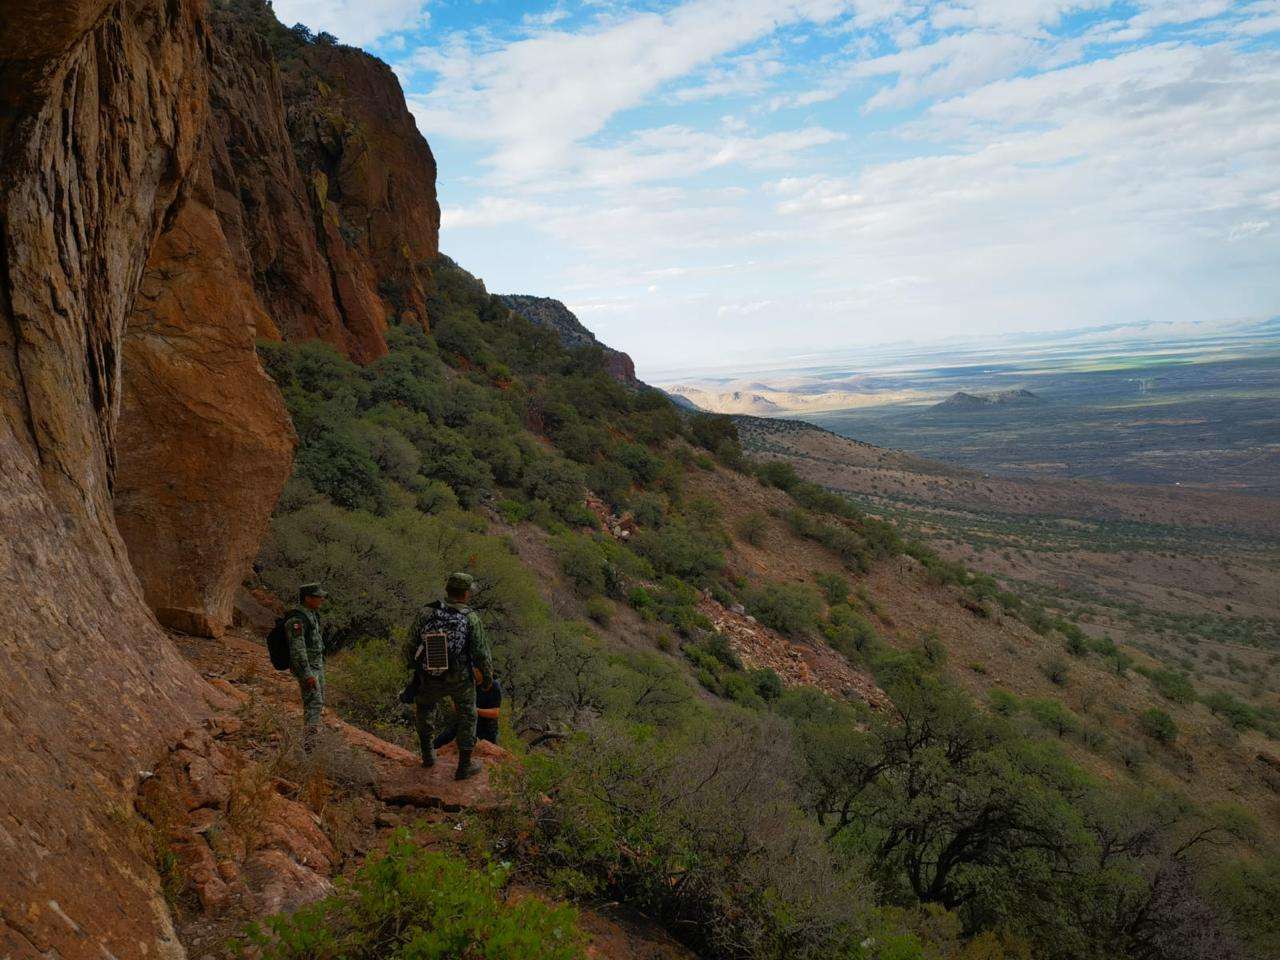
(306, 656)
(468, 667)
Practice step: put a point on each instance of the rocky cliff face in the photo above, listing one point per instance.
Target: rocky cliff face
(178, 179)
(310, 213)
(103, 110)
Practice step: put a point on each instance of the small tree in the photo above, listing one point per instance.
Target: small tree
(1158, 725)
(1057, 670)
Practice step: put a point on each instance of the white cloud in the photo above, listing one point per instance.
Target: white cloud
(536, 98)
(357, 22)
(1038, 176)
(490, 212)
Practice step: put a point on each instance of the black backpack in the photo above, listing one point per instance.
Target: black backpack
(278, 645)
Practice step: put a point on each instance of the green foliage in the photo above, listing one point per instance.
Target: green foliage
(791, 609)
(703, 836)
(1056, 669)
(752, 528)
(380, 569)
(1053, 715)
(1248, 891)
(340, 466)
(940, 776)
(834, 587)
(419, 905)
(678, 550)
(857, 540)
(585, 562)
(1004, 702)
(649, 510)
(777, 473)
(1173, 685)
(1158, 725)
(600, 610)
(1240, 715)
(364, 683)
(849, 631)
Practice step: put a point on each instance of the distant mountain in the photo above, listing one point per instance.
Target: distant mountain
(985, 401)
(546, 312)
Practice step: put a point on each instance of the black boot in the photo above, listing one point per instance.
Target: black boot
(465, 767)
(429, 756)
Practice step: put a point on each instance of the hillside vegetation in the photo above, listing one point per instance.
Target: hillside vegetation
(751, 817)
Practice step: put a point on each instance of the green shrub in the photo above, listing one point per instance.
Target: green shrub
(584, 562)
(649, 510)
(338, 464)
(678, 551)
(364, 682)
(704, 837)
(778, 473)
(1158, 725)
(1173, 685)
(1004, 702)
(1056, 669)
(791, 609)
(600, 610)
(1053, 715)
(848, 631)
(752, 528)
(767, 683)
(742, 690)
(416, 904)
(834, 587)
(1241, 715)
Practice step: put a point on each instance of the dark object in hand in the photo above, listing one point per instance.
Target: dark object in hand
(410, 692)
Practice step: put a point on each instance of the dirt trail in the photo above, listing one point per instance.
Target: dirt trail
(244, 825)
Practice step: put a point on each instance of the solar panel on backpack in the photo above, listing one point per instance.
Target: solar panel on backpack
(435, 652)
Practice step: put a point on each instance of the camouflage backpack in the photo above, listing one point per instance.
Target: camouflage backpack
(443, 639)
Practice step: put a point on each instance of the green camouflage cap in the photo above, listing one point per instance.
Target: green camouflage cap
(311, 590)
(460, 583)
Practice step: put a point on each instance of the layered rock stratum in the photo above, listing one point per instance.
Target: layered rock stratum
(179, 179)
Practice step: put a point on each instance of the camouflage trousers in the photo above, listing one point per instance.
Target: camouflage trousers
(312, 705)
(463, 694)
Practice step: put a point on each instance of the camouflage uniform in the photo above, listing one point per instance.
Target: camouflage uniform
(458, 684)
(306, 660)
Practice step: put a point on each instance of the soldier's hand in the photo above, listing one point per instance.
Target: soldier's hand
(309, 683)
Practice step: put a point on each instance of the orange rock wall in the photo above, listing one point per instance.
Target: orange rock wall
(101, 111)
(310, 213)
(168, 192)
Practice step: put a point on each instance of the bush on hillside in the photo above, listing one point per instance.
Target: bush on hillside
(791, 609)
(416, 904)
(1158, 725)
(703, 836)
(1173, 685)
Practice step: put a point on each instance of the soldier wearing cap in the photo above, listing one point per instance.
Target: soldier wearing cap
(306, 655)
(469, 664)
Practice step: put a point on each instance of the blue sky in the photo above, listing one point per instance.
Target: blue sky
(723, 181)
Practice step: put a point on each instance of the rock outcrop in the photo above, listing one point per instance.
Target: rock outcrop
(310, 213)
(103, 106)
(178, 179)
(205, 443)
(554, 315)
